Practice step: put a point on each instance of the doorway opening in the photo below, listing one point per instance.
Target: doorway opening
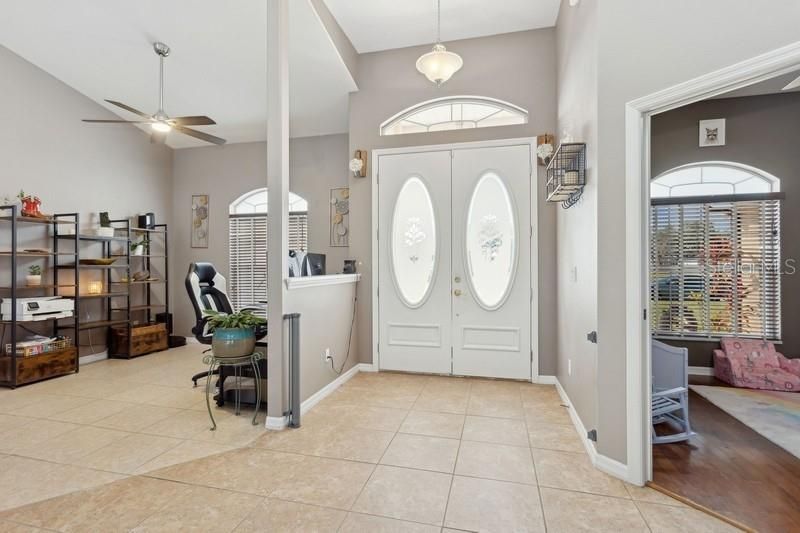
(712, 206)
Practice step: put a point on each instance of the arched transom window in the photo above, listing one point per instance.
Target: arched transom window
(712, 179)
(255, 202)
(454, 113)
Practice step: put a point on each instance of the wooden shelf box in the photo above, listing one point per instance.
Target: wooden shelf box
(144, 339)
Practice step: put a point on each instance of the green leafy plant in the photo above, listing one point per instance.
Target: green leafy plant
(105, 221)
(136, 244)
(35, 270)
(240, 320)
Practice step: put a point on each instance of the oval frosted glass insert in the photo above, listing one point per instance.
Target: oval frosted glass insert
(491, 241)
(413, 245)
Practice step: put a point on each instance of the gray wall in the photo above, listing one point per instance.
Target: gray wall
(317, 164)
(576, 233)
(326, 315)
(645, 46)
(516, 67)
(761, 131)
(46, 150)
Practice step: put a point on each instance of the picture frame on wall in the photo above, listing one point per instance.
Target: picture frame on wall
(340, 217)
(712, 132)
(199, 227)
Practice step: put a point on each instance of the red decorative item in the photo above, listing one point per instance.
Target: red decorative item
(30, 207)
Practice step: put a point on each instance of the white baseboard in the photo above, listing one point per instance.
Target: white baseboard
(601, 462)
(277, 423)
(701, 371)
(367, 367)
(544, 380)
(93, 358)
(328, 389)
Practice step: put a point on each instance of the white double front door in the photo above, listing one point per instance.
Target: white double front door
(454, 239)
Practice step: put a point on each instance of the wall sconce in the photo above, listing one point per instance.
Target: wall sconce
(358, 165)
(94, 287)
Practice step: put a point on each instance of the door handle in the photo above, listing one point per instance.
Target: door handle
(457, 292)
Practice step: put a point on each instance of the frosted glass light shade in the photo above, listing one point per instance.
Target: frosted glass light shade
(439, 65)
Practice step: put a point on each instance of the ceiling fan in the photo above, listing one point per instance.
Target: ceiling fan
(160, 122)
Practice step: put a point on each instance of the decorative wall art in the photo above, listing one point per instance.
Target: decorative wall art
(712, 132)
(340, 217)
(199, 221)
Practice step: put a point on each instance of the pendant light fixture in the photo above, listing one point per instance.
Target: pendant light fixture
(439, 65)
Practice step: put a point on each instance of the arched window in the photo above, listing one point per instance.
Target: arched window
(713, 178)
(255, 202)
(454, 113)
(247, 243)
(715, 252)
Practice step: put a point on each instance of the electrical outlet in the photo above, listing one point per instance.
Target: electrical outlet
(569, 367)
(327, 355)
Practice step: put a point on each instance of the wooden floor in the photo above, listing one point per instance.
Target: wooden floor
(731, 469)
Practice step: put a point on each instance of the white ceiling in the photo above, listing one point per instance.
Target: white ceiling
(217, 67)
(374, 25)
(771, 86)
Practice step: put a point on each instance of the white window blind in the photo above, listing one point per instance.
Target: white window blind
(715, 269)
(247, 238)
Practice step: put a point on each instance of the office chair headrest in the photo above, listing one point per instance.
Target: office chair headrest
(205, 273)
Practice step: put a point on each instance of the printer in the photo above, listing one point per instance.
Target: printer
(31, 309)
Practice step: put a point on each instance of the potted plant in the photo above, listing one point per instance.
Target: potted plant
(34, 277)
(105, 229)
(234, 335)
(137, 247)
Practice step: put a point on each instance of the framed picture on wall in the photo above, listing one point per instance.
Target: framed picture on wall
(340, 217)
(199, 221)
(712, 132)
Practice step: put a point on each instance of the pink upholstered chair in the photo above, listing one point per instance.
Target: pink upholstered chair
(754, 364)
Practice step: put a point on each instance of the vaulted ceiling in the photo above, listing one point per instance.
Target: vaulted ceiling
(374, 25)
(217, 66)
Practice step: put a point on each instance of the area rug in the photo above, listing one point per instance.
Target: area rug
(774, 415)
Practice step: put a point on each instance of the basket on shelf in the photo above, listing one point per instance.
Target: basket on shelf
(25, 349)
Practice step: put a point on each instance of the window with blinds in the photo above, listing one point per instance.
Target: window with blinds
(715, 269)
(247, 238)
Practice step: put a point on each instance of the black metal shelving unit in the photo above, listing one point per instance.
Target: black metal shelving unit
(118, 278)
(16, 370)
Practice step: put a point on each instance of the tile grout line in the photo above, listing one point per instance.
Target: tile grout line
(455, 465)
(533, 462)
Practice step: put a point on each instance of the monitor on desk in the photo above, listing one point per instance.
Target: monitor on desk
(306, 264)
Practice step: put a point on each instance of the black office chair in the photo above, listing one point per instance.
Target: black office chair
(207, 292)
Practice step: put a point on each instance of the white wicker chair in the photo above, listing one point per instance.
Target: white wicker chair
(670, 396)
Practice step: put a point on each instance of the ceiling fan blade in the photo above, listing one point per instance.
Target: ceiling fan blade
(193, 121)
(100, 121)
(158, 137)
(128, 108)
(199, 135)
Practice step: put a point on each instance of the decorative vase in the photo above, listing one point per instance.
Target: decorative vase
(32, 280)
(233, 342)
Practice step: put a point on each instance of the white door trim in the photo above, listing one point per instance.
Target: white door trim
(534, 259)
(637, 199)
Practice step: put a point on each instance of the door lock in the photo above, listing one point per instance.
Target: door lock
(457, 279)
(457, 292)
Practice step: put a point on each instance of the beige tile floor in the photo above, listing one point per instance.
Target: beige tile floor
(125, 446)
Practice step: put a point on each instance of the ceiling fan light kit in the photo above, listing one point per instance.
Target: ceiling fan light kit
(160, 122)
(439, 64)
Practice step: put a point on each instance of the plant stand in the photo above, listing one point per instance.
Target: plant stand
(236, 362)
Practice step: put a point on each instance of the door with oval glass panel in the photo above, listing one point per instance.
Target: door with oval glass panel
(491, 253)
(454, 262)
(414, 262)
